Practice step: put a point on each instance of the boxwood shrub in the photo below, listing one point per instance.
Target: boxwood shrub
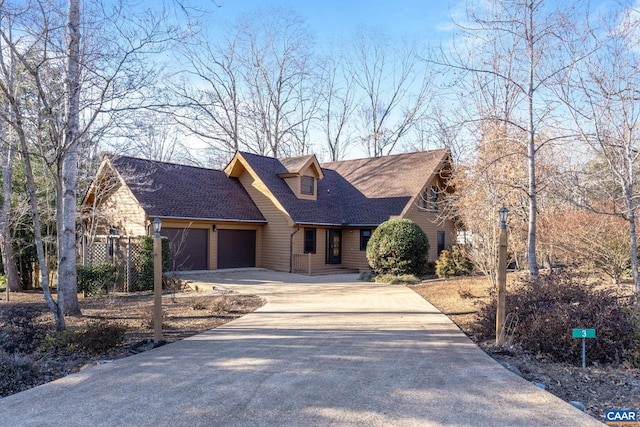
(397, 247)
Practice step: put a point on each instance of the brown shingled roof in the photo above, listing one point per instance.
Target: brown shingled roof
(177, 191)
(353, 192)
(399, 175)
(294, 164)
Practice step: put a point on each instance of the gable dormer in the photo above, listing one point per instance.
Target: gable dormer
(302, 176)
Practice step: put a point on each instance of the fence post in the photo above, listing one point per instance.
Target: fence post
(84, 249)
(309, 264)
(128, 270)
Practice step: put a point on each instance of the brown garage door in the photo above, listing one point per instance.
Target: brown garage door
(189, 248)
(236, 248)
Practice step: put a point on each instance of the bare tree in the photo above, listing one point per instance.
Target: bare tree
(438, 129)
(337, 106)
(6, 245)
(603, 99)
(276, 56)
(254, 91)
(517, 47)
(593, 241)
(77, 89)
(484, 184)
(68, 168)
(395, 88)
(210, 97)
(7, 149)
(153, 135)
(305, 115)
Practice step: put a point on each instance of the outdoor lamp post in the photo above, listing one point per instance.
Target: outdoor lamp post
(157, 282)
(502, 274)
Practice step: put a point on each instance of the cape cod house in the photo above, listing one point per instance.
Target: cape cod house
(291, 214)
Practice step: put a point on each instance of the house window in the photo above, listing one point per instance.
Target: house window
(306, 185)
(429, 198)
(309, 240)
(422, 201)
(365, 235)
(433, 198)
(440, 242)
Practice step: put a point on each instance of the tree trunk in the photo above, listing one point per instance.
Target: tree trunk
(531, 150)
(37, 229)
(8, 155)
(533, 211)
(67, 276)
(633, 250)
(8, 257)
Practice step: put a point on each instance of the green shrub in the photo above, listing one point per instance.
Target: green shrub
(97, 279)
(430, 270)
(58, 342)
(549, 309)
(367, 276)
(145, 280)
(3, 282)
(95, 338)
(454, 262)
(397, 280)
(397, 247)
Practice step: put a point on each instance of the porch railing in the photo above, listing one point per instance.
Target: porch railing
(301, 264)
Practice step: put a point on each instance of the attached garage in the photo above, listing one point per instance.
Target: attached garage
(189, 247)
(236, 248)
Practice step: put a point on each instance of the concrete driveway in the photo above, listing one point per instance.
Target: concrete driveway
(323, 351)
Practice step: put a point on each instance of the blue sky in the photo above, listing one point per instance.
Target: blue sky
(423, 19)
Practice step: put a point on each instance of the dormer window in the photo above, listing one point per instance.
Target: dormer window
(307, 184)
(302, 175)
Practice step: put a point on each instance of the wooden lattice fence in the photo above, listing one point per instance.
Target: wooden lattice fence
(125, 252)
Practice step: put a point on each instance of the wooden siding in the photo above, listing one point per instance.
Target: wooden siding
(430, 223)
(274, 244)
(318, 260)
(121, 209)
(352, 256)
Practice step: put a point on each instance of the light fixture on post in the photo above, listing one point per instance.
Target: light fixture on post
(157, 226)
(503, 217)
(502, 274)
(157, 282)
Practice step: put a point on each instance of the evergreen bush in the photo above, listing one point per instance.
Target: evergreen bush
(398, 247)
(96, 279)
(95, 338)
(145, 282)
(453, 262)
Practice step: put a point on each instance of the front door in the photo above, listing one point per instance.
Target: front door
(334, 246)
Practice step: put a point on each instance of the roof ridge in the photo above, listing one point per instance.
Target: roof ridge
(159, 162)
(385, 156)
(297, 157)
